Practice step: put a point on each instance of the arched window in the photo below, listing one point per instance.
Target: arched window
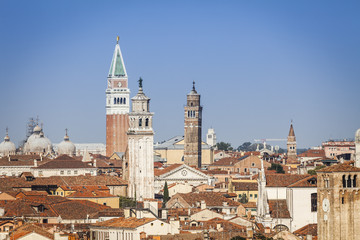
(188, 113)
(121, 100)
(344, 181)
(354, 181)
(349, 181)
(118, 100)
(124, 101)
(146, 122)
(191, 104)
(140, 122)
(314, 202)
(114, 100)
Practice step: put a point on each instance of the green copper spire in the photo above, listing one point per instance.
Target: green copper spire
(117, 67)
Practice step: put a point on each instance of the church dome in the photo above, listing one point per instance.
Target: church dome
(357, 136)
(7, 147)
(66, 147)
(37, 142)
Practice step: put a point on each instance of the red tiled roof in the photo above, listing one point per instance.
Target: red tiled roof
(282, 180)
(313, 153)
(85, 188)
(158, 172)
(308, 229)
(211, 199)
(310, 181)
(278, 209)
(121, 222)
(245, 186)
(225, 162)
(344, 167)
(64, 161)
(27, 229)
(90, 194)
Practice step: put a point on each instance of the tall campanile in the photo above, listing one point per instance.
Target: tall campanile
(192, 129)
(140, 168)
(117, 104)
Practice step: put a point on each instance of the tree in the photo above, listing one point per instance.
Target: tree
(224, 146)
(166, 194)
(277, 167)
(243, 198)
(126, 202)
(244, 147)
(314, 171)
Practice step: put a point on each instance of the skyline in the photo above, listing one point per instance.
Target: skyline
(257, 66)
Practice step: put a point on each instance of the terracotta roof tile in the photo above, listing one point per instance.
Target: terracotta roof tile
(310, 181)
(27, 229)
(121, 222)
(90, 194)
(344, 167)
(308, 229)
(158, 172)
(313, 153)
(282, 180)
(210, 198)
(225, 162)
(245, 186)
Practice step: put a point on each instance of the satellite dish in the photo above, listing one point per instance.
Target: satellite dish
(277, 148)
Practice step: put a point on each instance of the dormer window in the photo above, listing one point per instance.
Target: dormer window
(312, 181)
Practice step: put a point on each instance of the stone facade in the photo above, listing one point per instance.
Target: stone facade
(117, 105)
(139, 165)
(192, 129)
(338, 203)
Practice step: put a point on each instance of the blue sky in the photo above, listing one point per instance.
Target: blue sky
(257, 65)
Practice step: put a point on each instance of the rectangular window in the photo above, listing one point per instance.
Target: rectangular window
(314, 202)
(255, 195)
(61, 172)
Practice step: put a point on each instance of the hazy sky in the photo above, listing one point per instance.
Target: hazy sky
(257, 65)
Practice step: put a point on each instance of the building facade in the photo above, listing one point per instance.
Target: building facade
(338, 201)
(117, 104)
(192, 129)
(335, 148)
(139, 167)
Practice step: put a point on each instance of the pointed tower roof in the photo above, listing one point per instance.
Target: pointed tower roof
(117, 67)
(291, 132)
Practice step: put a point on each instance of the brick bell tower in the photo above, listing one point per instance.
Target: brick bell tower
(192, 129)
(291, 145)
(117, 104)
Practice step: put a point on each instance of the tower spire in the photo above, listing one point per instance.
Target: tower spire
(117, 67)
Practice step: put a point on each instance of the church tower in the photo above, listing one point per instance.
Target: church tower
(291, 144)
(192, 129)
(338, 202)
(140, 166)
(117, 104)
(357, 148)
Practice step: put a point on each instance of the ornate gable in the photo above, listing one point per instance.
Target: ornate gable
(183, 172)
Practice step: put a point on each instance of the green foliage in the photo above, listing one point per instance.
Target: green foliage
(314, 171)
(224, 146)
(238, 238)
(245, 147)
(277, 167)
(262, 237)
(126, 202)
(243, 198)
(166, 194)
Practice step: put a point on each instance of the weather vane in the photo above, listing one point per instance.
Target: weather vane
(117, 39)
(194, 85)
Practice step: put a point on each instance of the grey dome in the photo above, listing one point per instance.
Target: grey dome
(37, 142)
(66, 147)
(7, 147)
